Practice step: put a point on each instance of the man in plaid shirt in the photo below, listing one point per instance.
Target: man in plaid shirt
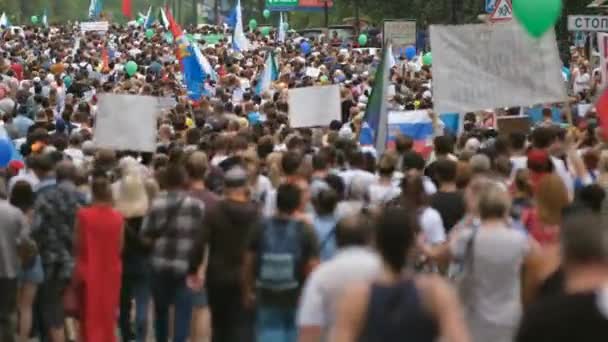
(171, 227)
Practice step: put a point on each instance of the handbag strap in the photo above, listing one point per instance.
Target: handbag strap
(469, 250)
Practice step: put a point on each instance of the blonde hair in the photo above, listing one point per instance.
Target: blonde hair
(551, 198)
(275, 171)
(494, 202)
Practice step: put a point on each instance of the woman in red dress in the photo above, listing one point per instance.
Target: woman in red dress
(99, 241)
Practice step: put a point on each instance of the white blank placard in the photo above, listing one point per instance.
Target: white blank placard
(126, 122)
(314, 106)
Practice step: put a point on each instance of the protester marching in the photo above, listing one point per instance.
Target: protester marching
(234, 183)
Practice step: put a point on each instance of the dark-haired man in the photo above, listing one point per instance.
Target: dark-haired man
(282, 252)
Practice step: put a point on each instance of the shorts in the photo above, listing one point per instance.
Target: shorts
(34, 274)
(199, 299)
(51, 293)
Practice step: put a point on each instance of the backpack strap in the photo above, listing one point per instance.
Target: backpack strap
(327, 238)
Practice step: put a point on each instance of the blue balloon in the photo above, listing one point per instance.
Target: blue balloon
(305, 47)
(6, 152)
(410, 52)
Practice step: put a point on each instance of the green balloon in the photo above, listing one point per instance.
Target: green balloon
(141, 20)
(537, 16)
(253, 24)
(34, 19)
(362, 39)
(324, 78)
(427, 59)
(149, 33)
(285, 26)
(131, 68)
(265, 31)
(266, 13)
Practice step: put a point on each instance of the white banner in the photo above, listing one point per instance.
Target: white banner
(314, 106)
(100, 26)
(399, 34)
(126, 122)
(587, 23)
(491, 66)
(602, 46)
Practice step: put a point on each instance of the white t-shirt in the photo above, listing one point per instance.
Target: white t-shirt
(432, 226)
(327, 283)
(560, 169)
(518, 163)
(380, 194)
(581, 83)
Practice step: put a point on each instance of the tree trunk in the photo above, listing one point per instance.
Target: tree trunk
(194, 12)
(216, 11)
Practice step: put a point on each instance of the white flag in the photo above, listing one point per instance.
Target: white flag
(239, 42)
(281, 35)
(4, 20)
(163, 18)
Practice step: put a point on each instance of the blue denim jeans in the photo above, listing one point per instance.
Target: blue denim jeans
(134, 287)
(276, 324)
(169, 289)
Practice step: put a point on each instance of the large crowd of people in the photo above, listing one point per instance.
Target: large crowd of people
(240, 228)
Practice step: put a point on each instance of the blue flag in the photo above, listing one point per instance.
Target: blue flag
(231, 18)
(194, 76)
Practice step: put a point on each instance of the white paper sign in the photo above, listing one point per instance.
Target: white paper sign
(314, 106)
(312, 72)
(602, 45)
(166, 103)
(126, 122)
(101, 26)
(491, 66)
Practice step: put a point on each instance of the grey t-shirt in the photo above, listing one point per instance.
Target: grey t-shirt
(495, 300)
(13, 228)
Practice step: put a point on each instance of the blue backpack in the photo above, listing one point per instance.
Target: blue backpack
(279, 256)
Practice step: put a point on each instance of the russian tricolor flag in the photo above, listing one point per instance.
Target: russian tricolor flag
(418, 125)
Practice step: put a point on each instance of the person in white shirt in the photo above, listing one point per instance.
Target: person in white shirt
(354, 262)
(582, 81)
(383, 190)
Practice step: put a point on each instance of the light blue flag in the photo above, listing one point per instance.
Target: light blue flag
(239, 40)
(270, 74)
(204, 63)
(149, 19)
(95, 8)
